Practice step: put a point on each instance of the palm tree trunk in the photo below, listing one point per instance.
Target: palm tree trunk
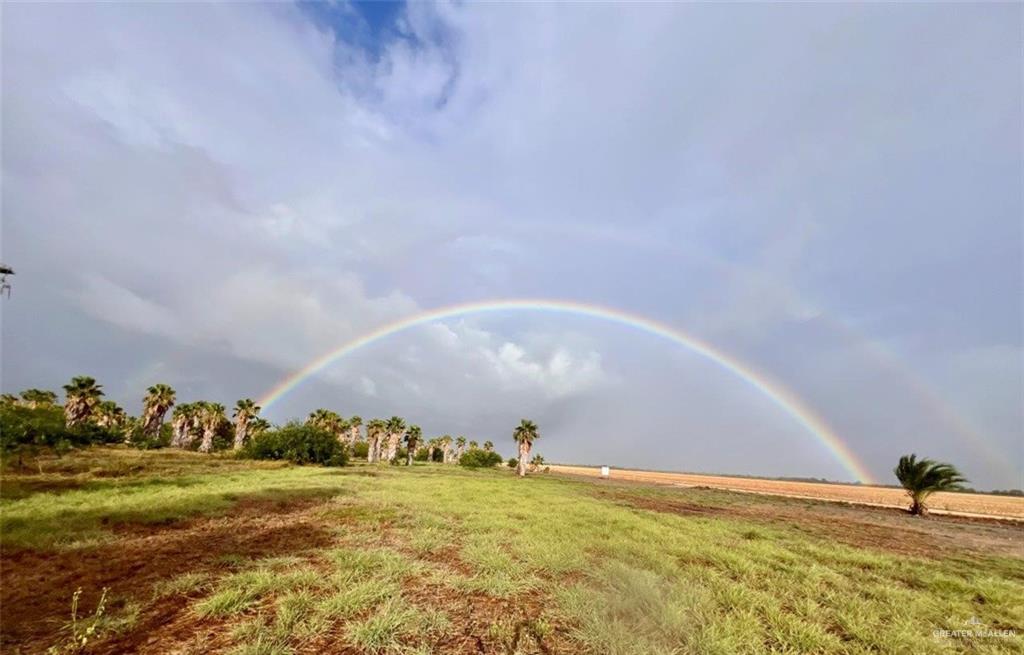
(207, 445)
(524, 455)
(241, 433)
(409, 454)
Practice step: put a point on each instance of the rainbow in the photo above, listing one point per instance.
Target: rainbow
(778, 393)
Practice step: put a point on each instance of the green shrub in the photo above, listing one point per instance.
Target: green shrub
(513, 462)
(23, 430)
(298, 443)
(479, 459)
(361, 449)
(421, 454)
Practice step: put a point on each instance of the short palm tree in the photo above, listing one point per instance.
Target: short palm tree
(159, 398)
(83, 395)
(245, 411)
(353, 430)
(328, 421)
(922, 477)
(38, 398)
(489, 446)
(412, 440)
(445, 443)
(525, 434)
(460, 444)
(109, 415)
(395, 430)
(375, 432)
(473, 445)
(211, 419)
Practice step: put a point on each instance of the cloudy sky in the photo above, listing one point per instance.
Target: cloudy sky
(213, 195)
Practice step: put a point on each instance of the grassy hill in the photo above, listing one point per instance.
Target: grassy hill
(203, 553)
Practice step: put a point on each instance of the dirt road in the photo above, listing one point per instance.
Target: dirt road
(961, 504)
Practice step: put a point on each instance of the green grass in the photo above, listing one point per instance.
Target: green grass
(574, 563)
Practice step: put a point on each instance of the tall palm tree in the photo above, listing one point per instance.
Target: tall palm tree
(488, 446)
(432, 446)
(211, 418)
(412, 439)
(83, 395)
(461, 443)
(159, 398)
(35, 398)
(245, 411)
(922, 477)
(525, 434)
(446, 448)
(353, 430)
(395, 430)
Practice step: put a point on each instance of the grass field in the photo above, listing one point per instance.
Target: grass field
(205, 554)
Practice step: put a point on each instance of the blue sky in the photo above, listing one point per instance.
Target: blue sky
(213, 195)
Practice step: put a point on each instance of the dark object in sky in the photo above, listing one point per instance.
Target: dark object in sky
(4, 286)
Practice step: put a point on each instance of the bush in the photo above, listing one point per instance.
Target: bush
(479, 459)
(298, 443)
(361, 449)
(513, 462)
(145, 442)
(421, 454)
(24, 430)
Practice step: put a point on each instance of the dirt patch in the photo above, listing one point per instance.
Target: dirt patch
(36, 587)
(864, 527)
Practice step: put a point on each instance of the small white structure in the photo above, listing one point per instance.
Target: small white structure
(605, 471)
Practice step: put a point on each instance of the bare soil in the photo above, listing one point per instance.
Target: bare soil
(959, 504)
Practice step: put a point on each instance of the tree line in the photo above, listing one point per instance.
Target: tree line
(204, 426)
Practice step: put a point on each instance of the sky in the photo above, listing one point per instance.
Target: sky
(212, 196)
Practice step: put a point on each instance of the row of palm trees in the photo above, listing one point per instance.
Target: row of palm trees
(201, 421)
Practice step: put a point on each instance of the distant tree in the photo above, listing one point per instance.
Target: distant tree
(412, 440)
(488, 446)
(922, 477)
(35, 398)
(330, 422)
(395, 432)
(473, 445)
(245, 411)
(110, 416)
(159, 398)
(211, 419)
(9, 400)
(82, 397)
(375, 433)
(353, 430)
(445, 444)
(460, 442)
(525, 434)
(185, 425)
(536, 462)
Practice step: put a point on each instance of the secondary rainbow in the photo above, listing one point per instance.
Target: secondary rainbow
(774, 390)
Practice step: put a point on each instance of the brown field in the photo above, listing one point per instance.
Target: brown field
(960, 504)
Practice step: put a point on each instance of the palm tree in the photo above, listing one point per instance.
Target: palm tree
(35, 398)
(412, 439)
(9, 399)
(329, 421)
(473, 445)
(525, 434)
(258, 426)
(159, 398)
(109, 414)
(536, 462)
(488, 446)
(353, 430)
(923, 477)
(245, 411)
(374, 433)
(83, 395)
(395, 430)
(211, 417)
(461, 443)
(432, 446)
(446, 448)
